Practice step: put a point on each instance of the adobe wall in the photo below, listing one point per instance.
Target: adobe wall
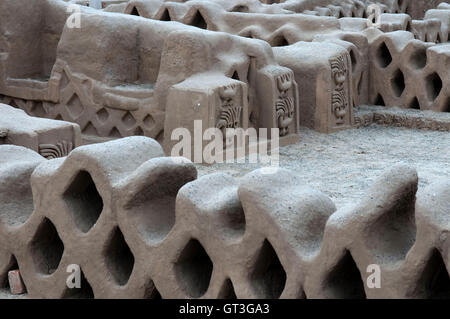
(142, 225)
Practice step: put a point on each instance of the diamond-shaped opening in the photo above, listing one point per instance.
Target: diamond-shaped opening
(418, 59)
(135, 12)
(149, 121)
(84, 292)
(194, 269)
(75, 106)
(128, 120)
(83, 200)
(151, 292)
(102, 115)
(227, 290)
(398, 83)
(434, 283)
(165, 16)
(379, 100)
(433, 84)
(198, 21)
(414, 104)
(383, 56)
(268, 277)
(119, 258)
(344, 281)
(46, 248)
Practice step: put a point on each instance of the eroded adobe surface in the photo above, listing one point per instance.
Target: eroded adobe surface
(141, 225)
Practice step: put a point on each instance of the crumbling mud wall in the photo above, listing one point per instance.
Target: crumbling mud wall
(352, 33)
(113, 75)
(357, 8)
(409, 73)
(274, 28)
(141, 225)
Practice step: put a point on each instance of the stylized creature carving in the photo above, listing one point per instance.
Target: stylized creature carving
(230, 111)
(339, 101)
(285, 104)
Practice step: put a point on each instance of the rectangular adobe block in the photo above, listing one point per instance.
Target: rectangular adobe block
(50, 138)
(277, 102)
(215, 100)
(16, 285)
(323, 73)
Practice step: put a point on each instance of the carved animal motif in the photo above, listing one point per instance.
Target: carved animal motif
(230, 113)
(285, 104)
(339, 101)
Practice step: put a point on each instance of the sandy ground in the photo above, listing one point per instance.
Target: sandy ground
(343, 165)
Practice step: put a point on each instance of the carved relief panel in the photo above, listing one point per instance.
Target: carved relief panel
(277, 99)
(229, 111)
(340, 112)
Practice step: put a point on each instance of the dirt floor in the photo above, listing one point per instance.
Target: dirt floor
(343, 165)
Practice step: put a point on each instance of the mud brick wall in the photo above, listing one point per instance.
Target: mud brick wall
(357, 8)
(216, 16)
(439, 19)
(90, 82)
(409, 73)
(87, 79)
(276, 28)
(141, 225)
